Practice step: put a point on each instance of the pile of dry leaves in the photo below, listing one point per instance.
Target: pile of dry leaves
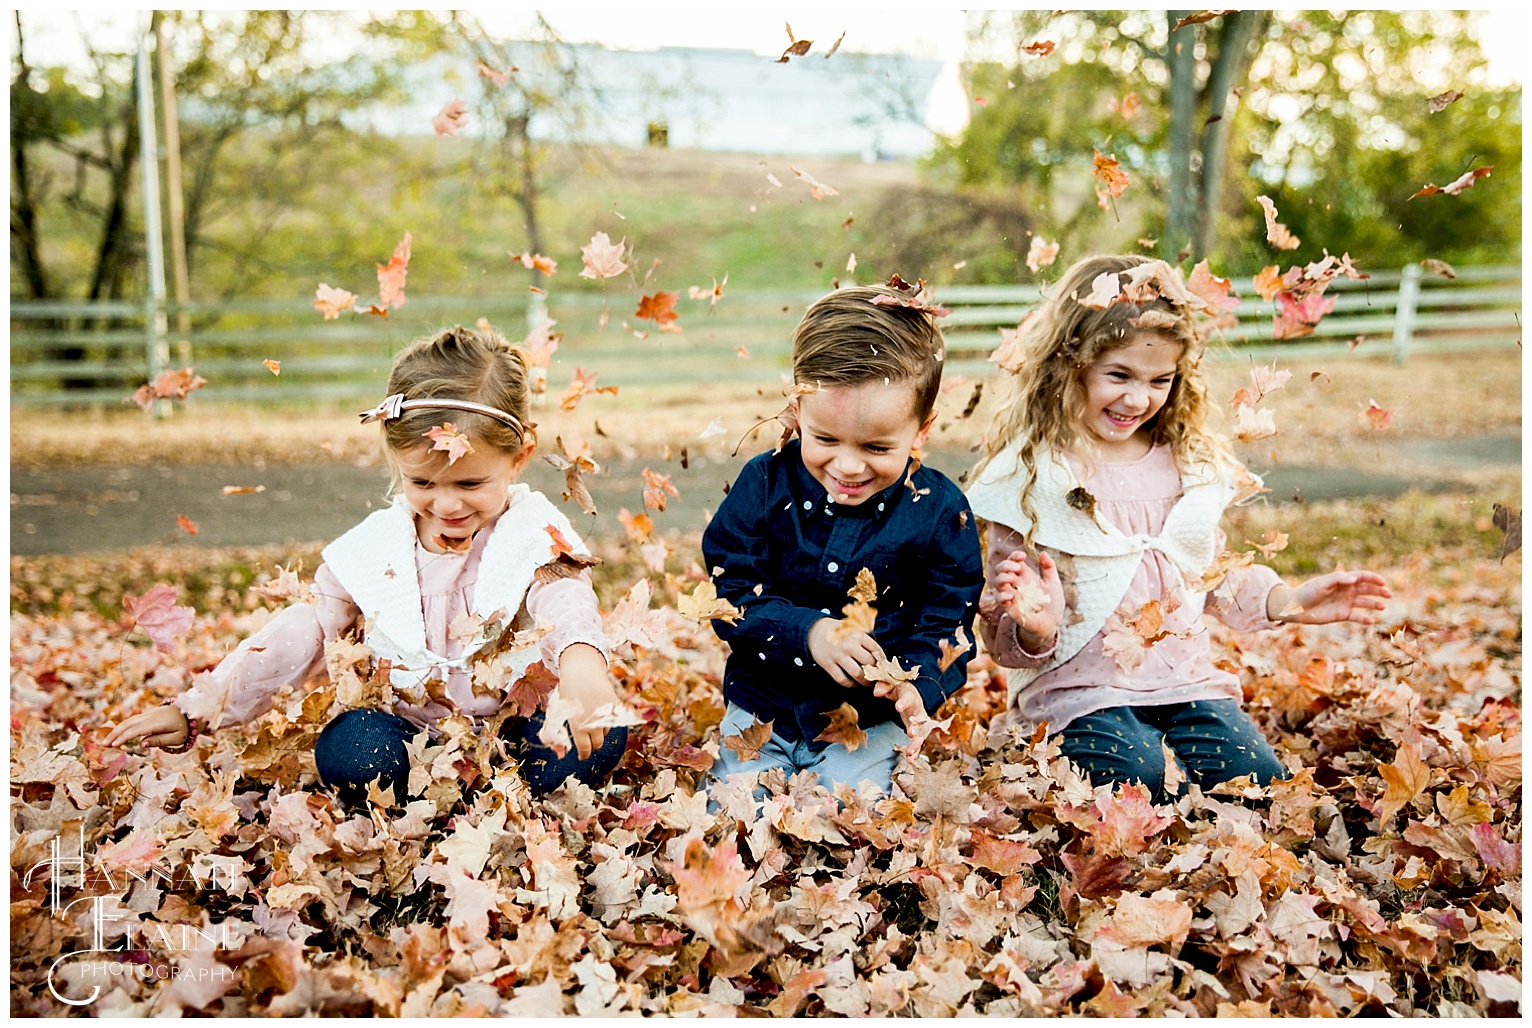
(1384, 877)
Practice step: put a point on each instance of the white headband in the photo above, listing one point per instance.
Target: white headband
(396, 404)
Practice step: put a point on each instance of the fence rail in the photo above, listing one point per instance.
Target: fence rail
(96, 353)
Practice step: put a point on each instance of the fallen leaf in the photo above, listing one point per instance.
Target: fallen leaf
(1456, 186)
(1214, 290)
(747, 744)
(536, 262)
(1440, 101)
(1271, 544)
(1039, 48)
(656, 488)
(275, 367)
(1375, 417)
(1111, 180)
(951, 651)
(704, 604)
(581, 385)
(167, 385)
(843, 729)
(447, 438)
(1105, 289)
(391, 275)
(331, 301)
(1437, 267)
(602, 257)
(156, 613)
(1276, 234)
(1406, 778)
(452, 116)
(661, 309)
(1041, 254)
(234, 490)
(499, 78)
(186, 524)
(1197, 19)
(817, 189)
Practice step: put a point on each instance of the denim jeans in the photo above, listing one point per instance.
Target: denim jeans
(1213, 741)
(873, 761)
(361, 745)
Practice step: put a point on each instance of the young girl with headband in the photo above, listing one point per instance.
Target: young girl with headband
(1102, 486)
(462, 544)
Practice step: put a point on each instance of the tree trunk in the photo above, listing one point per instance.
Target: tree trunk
(1232, 64)
(1181, 61)
(24, 198)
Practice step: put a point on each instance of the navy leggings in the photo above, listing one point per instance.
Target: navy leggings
(360, 745)
(1213, 740)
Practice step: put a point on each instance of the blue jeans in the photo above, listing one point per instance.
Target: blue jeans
(361, 745)
(1213, 741)
(873, 761)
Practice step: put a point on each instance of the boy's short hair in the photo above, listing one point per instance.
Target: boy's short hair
(846, 339)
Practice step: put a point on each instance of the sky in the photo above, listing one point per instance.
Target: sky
(929, 30)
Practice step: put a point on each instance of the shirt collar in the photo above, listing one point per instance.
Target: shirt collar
(878, 506)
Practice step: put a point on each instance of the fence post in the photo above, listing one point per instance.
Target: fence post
(149, 160)
(1404, 311)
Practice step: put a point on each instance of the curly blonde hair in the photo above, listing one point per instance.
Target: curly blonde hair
(1043, 396)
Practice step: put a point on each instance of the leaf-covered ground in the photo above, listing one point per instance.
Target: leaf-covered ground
(1384, 878)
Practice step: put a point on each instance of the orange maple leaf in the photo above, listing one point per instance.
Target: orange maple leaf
(1002, 856)
(661, 309)
(391, 275)
(1111, 180)
(843, 728)
(1040, 48)
(186, 524)
(1041, 254)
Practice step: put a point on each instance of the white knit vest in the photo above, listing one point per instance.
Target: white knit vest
(375, 562)
(1105, 558)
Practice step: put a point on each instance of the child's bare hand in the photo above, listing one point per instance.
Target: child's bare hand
(1327, 599)
(843, 657)
(1034, 599)
(907, 701)
(163, 726)
(585, 681)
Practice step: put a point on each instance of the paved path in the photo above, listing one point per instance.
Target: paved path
(91, 509)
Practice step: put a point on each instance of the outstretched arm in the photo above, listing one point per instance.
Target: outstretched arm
(1328, 599)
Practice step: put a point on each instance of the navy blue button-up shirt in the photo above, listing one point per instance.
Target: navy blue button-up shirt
(786, 555)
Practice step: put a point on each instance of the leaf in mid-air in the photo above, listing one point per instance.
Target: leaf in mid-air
(452, 116)
(454, 443)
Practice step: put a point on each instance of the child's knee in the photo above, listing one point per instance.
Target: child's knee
(360, 746)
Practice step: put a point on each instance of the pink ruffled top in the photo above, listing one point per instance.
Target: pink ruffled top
(290, 648)
(1136, 496)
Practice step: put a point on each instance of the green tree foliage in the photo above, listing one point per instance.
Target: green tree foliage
(1327, 116)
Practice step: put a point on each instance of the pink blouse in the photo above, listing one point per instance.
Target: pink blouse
(1136, 496)
(290, 648)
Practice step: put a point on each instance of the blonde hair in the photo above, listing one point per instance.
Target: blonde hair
(460, 364)
(847, 339)
(1043, 401)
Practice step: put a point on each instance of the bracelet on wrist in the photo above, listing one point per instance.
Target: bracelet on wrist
(191, 738)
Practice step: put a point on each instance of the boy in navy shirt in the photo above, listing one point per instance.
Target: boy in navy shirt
(798, 525)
